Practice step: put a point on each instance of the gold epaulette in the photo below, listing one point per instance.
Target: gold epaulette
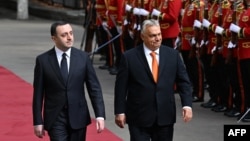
(198, 3)
(225, 4)
(240, 7)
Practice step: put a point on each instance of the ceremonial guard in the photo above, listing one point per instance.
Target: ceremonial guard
(168, 11)
(115, 18)
(89, 25)
(103, 34)
(229, 52)
(210, 6)
(190, 38)
(137, 11)
(243, 31)
(128, 25)
(215, 74)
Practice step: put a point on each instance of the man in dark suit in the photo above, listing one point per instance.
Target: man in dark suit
(59, 103)
(145, 101)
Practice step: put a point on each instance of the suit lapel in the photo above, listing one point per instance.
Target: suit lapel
(163, 58)
(73, 63)
(143, 60)
(54, 64)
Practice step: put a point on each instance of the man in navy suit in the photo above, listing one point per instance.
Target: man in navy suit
(59, 103)
(148, 105)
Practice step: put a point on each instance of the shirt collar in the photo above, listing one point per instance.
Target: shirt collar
(60, 52)
(148, 51)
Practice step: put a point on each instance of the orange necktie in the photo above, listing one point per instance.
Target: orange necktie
(154, 66)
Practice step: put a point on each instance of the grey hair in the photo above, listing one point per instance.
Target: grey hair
(149, 22)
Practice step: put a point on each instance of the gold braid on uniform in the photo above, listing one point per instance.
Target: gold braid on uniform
(225, 4)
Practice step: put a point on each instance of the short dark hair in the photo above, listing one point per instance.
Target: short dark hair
(55, 25)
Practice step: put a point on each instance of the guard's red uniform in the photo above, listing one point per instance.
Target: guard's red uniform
(116, 10)
(101, 10)
(169, 18)
(187, 30)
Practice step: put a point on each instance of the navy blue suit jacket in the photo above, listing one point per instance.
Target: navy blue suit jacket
(50, 88)
(142, 100)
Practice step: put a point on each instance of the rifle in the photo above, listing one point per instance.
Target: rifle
(193, 52)
(89, 25)
(137, 39)
(178, 43)
(233, 36)
(203, 48)
(127, 24)
(183, 6)
(105, 28)
(218, 37)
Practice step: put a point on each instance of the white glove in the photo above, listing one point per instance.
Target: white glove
(214, 49)
(125, 22)
(231, 45)
(177, 42)
(135, 26)
(155, 12)
(144, 12)
(139, 27)
(234, 28)
(182, 12)
(197, 24)
(136, 11)
(202, 42)
(119, 29)
(128, 7)
(105, 24)
(206, 23)
(131, 34)
(107, 13)
(193, 41)
(219, 30)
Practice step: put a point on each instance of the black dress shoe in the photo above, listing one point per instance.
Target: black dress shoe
(102, 58)
(219, 108)
(113, 71)
(104, 67)
(209, 104)
(196, 99)
(232, 113)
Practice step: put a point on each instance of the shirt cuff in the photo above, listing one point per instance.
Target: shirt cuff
(186, 107)
(101, 118)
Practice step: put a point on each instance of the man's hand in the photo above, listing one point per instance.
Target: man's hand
(39, 131)
(120, 120)
(100, 125)
(187, 114)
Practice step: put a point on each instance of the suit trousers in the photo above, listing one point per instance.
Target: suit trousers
(61, 130)
(153, 133)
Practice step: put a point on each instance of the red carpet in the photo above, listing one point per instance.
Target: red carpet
(15, 112)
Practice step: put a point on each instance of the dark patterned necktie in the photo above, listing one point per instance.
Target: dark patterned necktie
(64, 67)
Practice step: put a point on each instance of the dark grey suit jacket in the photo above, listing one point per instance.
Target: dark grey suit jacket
(50, 88)
(140, 98)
